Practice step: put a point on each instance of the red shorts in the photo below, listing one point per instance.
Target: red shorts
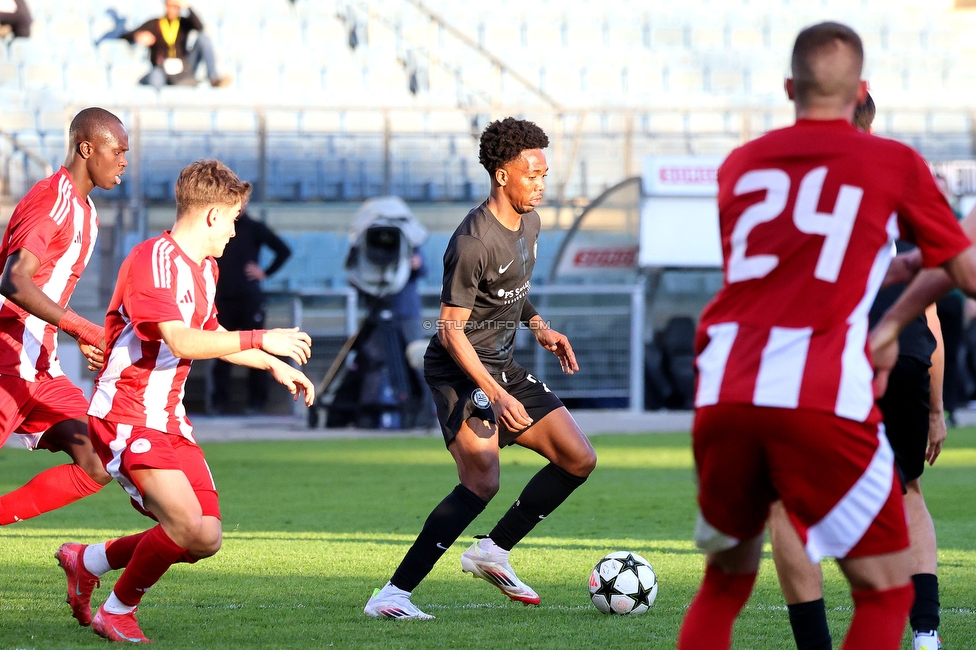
(125, 447)
(30, 408)
(836, 478)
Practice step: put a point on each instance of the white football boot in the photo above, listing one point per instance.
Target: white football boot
(390, 602)
(926, 640)
(487, 561)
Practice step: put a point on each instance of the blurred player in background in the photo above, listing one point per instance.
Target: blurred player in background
(916, 428)
(15, 17)
(47, 244)
(160, 318)
(485, 400)
(241, 302)
(785, 402)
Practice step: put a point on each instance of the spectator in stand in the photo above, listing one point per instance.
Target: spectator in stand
(15, 17)
(241, 303)
(173, 63)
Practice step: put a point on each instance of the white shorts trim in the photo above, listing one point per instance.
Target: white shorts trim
(844, 526)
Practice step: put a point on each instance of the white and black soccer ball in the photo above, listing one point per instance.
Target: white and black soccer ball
(623, 583)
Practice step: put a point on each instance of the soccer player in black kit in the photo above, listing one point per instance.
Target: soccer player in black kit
(485, 400)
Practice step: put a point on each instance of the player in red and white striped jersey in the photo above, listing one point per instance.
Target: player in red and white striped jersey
(47, 244)
(785, 402)
(160, 318)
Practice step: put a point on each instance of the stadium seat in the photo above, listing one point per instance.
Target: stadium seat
(91, 76)
(42, 75)
(9, 76)
(236, 120)
(258, 77)
(192, 120)
(318, 121)
(15, 121)
(32, 51)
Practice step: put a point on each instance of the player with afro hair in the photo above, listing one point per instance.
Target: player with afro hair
(504, 140)
(485, 400)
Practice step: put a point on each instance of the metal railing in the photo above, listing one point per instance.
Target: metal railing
(28, 157)
(605, 325)
(430, 153)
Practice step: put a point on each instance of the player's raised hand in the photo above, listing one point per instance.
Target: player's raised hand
(295, 381)
(559, 345)
(288, 342)
(510, 412)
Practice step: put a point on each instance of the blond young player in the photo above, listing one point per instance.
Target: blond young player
(160, 318)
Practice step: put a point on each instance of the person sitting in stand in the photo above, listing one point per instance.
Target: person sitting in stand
(173, 63)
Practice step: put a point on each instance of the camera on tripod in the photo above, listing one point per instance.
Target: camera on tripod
(370, 384)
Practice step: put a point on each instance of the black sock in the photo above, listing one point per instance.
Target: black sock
(543, 494)
(925, 609)
(809, 623)
(442, 528)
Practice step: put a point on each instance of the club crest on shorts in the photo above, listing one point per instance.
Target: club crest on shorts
(480, 399)
(140, 446)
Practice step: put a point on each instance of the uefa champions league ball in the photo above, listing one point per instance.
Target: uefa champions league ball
(623, 583)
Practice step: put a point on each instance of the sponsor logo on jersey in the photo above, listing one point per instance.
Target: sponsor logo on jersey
(515, 295)
(502, 269)
(187, 298)
(480, 399)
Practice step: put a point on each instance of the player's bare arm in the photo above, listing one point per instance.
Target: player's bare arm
(188, 343)
(928, 287)
(556, 343)
(937, 423)
(17, 286)
(903, 268)
(508, 410)
(292, 379)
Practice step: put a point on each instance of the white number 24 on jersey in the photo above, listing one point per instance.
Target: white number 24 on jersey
(835, 227)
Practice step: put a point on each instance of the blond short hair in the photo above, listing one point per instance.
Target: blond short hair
(207, 183)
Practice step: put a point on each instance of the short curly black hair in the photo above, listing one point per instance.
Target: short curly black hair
(504, 140)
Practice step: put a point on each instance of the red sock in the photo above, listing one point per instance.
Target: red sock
(879, 618)
(119, 551)
(153, 555)
(49, 490)
(708, 623)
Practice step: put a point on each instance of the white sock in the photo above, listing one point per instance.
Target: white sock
(95, 560)
(115, 606)
(491, 548)
(389, 589)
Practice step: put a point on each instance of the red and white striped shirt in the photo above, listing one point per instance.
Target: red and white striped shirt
(142, 381)
(59, 227)
(808, 215)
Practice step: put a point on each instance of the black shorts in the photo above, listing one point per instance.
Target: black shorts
(905, 406)
(458, 399)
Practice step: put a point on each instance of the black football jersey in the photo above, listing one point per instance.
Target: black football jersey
(487, 269)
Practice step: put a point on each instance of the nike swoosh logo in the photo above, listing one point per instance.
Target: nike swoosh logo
(502, 269)
(129, 639)
(440, 546)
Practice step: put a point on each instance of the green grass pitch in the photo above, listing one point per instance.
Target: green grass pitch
(310, 528)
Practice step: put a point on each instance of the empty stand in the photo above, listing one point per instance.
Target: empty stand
(331, 112)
